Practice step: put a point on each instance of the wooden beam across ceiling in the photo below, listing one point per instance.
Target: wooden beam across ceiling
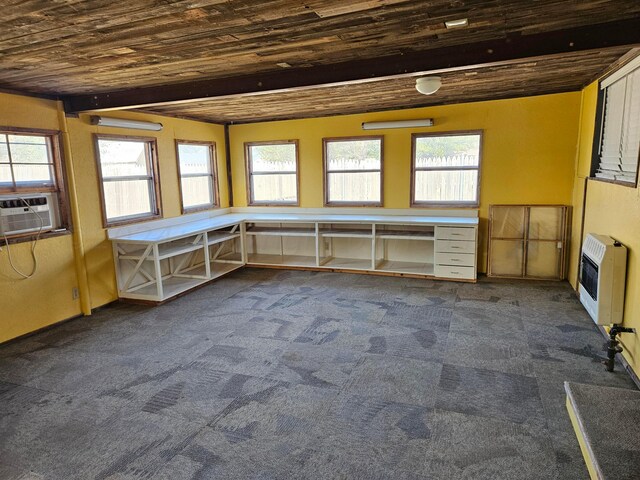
(480, 54)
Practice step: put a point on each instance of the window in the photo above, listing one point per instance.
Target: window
(353, 171)
(446, 169)
(272, 170)
(31, 163)
(619, 140)
(197, 170)
(128, 172)
(28, 162)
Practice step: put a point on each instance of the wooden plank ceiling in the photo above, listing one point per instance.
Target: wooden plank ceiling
(73, 47)
(531, 77)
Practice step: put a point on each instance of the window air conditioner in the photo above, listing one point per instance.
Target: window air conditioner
(20, 214)
(603, 271)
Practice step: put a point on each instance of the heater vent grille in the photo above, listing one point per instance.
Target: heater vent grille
(595, 247)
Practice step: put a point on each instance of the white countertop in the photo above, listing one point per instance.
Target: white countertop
(174, 232)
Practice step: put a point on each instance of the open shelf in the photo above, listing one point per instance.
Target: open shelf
(347, 233)
(170, 286)
(219, 237)
(397, 266)
(272, 259)
(398, 235)
(347, 263)
(165, 251)
(235, 257)
(216, 268)
(283, 232)
(221, 268)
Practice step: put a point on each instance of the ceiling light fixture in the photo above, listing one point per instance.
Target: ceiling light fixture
(428, 85)
(423, 122)
(123, 123)
(461, 22)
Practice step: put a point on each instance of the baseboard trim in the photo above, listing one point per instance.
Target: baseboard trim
(54, 325)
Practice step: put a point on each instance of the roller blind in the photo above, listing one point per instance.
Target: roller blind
(620, 141)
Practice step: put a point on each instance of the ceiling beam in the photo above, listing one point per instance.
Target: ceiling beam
(491, 52)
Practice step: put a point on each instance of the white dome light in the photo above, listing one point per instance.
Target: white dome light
(428, 85)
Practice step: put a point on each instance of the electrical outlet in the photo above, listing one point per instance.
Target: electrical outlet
(75, 293)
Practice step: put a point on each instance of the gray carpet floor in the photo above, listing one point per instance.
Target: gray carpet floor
(273, 374)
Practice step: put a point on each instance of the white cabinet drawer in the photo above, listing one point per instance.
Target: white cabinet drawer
(456, 233)
(455, 246)
(464, 259)
(450, 271)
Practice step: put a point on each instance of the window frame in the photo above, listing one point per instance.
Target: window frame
(59, 187)
(249, 173)
(213, 175)
(152, 165)
(598, 134)
(456, 133)
(326, 172)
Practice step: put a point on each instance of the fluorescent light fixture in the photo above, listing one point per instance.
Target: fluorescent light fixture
(428, 85)
(122, 123)
(461, 22)
(422, 122)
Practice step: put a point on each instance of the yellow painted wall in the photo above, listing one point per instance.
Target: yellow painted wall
(29, 304)
(611, 210)
(528, 154)
(589, 98)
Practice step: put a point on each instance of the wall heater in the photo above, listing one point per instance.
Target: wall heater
(603, 271)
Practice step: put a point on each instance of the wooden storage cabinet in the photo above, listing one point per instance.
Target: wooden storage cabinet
(456, 252)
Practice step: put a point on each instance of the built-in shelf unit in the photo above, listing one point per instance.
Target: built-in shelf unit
(157, 264)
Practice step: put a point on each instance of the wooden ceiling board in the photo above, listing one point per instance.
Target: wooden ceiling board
(445, 59)
(108, 49)
(530, 77)
(77, 47)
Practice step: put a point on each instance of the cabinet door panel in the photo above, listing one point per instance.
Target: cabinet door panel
(506, 257)
(546, 223)
(543, 259)
(507, 221)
